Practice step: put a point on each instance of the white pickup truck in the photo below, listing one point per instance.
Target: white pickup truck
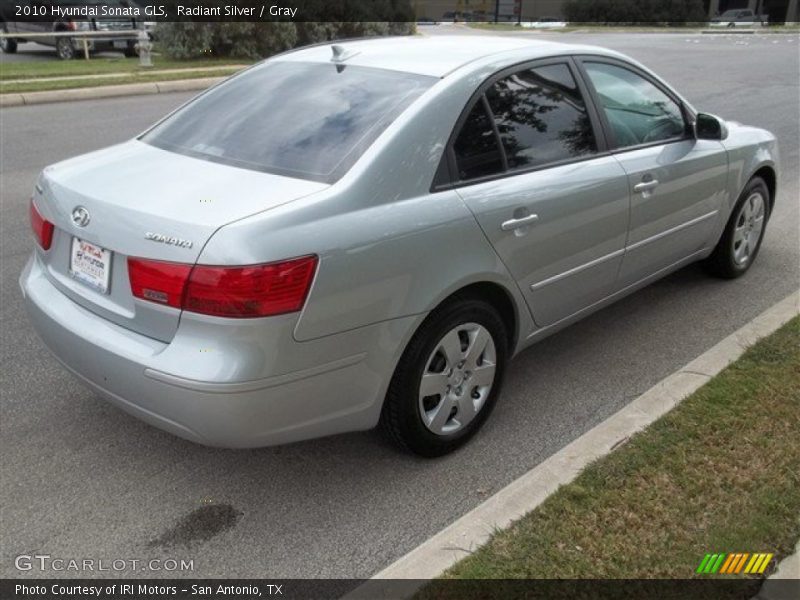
(27, 20)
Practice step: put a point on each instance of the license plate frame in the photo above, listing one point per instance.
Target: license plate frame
(120, 44)
(90, 265)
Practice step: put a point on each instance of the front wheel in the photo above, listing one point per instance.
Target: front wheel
(448, 379)
(741, 240)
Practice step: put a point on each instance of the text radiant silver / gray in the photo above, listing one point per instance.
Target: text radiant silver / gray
(366, 233)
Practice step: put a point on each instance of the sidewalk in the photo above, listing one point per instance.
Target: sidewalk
(647, 478)
(784, 584)
(108, 91)
(122, 74)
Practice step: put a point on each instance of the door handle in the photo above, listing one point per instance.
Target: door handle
(517, 223)
(646, 186)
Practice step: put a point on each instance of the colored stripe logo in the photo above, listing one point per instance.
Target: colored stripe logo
(735, 563)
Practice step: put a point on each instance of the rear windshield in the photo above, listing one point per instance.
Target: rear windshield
(306, 120)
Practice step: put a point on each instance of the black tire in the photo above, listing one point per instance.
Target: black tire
(131, 52)
(65, 49)
(722, 262)
(401, 418)
(8, 45)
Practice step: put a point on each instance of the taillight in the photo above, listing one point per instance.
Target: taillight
(250, 291)
(157, 281)
(42, 229)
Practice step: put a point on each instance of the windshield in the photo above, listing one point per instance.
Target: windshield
(306, 120)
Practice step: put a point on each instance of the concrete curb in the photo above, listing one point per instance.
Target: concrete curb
(784, 584)
(725, 30)
(108, 91)
(474, 529)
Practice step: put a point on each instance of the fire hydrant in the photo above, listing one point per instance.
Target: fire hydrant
(144, 46)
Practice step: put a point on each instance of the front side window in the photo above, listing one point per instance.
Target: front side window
(305, 120)
(637, 111)
(541, 117)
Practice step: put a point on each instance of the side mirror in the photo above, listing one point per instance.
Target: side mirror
(709, 127)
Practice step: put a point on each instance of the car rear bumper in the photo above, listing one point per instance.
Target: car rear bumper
(314, 388)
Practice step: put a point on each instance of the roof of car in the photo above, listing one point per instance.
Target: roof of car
(435, 56)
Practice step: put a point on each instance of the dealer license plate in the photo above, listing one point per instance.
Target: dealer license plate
(90, 264)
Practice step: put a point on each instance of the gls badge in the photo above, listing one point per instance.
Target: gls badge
(167, 239)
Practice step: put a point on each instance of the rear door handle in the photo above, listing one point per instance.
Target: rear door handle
(646, 186)
(517, 223)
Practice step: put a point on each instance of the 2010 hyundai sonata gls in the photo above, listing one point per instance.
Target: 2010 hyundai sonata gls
(365, 233)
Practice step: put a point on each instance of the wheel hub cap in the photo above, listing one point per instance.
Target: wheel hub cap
(458, 379)
(748, 228)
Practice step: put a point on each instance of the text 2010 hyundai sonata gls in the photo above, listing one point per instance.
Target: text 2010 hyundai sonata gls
(365, 233)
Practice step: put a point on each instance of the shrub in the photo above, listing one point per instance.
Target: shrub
(184, 40)
(635, 11)
(252, 40)
(262, 39)
(314, 33)
(234, 39)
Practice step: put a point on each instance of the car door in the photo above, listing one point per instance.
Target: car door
(15, 11)
(36, 8)
(529, 160)
(746, 18)
(677, 182)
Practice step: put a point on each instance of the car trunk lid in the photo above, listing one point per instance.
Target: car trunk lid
(136, 200)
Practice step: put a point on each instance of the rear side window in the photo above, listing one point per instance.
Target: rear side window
(306, 120)
(541, 117)
(476, 147)
(637, 111)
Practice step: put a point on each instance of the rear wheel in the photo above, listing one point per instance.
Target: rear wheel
(448, 379)
(741, 240)
(8, 45)
(65, 48)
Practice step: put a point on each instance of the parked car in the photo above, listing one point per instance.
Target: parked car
(68, 46)
(545, 23)
(737, 18)
(365, 233)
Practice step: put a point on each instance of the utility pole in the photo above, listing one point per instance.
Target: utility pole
(519, 12)
(496, 11)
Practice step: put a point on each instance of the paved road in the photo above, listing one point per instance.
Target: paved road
(83, 480)
(29, 52)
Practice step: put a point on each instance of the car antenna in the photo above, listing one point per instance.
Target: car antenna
(341, 54)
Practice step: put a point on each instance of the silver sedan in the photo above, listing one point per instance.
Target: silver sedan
(365, 233)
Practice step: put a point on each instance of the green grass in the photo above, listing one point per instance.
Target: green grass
(588, 28)
(99, 66)
(143, 77)
(592, 28)
(720, 473)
